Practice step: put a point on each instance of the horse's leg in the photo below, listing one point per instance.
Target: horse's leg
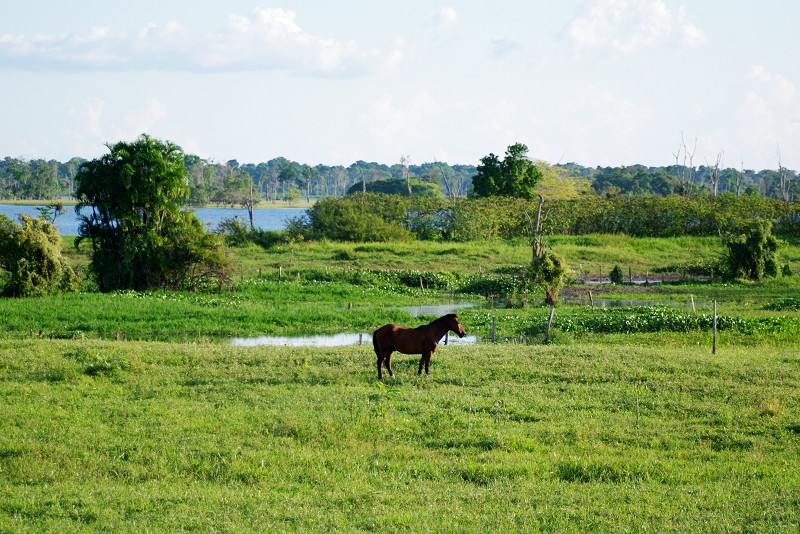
(388, 361)
(421, 363)
(380, 364)
(427, 361)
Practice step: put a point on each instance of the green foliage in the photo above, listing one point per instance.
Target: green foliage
(784, 304)
(31, 253)
(616, 275)
(464, 220)
(397, 186)
(549, 271)
(515, 176)
(751, 251)
(355, 219)
(236, 232)
(490, 285)
(140, 237)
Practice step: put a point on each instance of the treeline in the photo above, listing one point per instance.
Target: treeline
(377, 217)
(231, 183)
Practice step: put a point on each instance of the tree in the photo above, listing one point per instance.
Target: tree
(140, 237)
(396, 186)
(515, 176)
(751, 251)
(31, 253)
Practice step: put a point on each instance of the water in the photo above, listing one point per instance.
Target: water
(336, 340)
(263, 218)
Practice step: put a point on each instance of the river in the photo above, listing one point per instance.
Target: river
(263, 218)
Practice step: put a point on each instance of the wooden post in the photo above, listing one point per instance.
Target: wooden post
(421, 286)
(601, 273)
(549, 323)
(360, 338)
(630, 274)
(714, 343)
(591, 299)
(494, 324)
(694, 311)
(280, 272)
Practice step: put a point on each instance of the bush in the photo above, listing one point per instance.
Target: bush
(31, 253)
(616, 275)
(360, 221)
(751, 251)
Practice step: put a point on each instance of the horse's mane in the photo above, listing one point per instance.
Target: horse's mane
(443, 318)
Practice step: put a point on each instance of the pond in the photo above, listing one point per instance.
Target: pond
(335, 340)
(263, 218)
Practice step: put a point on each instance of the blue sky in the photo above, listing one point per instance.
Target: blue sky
(597, 82)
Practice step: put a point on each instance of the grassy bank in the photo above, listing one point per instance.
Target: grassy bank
(138, 437)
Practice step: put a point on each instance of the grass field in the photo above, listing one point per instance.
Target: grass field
(129, 412)
(132, 436)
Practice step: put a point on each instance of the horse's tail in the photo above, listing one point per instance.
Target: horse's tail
(375, 343)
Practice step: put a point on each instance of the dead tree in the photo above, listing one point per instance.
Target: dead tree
(404, 163)
(715, 172)
(685, 171)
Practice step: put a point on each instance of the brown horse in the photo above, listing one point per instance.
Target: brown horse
(421, 340)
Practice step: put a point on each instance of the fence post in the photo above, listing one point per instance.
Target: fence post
(714, 344)
(549, 323)
(494, 321)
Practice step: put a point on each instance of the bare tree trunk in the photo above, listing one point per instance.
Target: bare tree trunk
(445, 180)
(404, 162)
(715, 172)
(250, 207)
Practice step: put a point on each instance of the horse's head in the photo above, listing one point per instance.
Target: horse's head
(455, 326)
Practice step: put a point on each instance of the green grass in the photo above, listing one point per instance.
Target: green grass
(132, 436)
(625, 422)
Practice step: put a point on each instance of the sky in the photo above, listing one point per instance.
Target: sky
(595, 82)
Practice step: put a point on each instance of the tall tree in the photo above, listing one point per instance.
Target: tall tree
(514, 176)
(140, 237)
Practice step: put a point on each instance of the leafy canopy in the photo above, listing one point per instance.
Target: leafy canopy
(514, 176)
(140, 237)
(751, 251)
(31, 253)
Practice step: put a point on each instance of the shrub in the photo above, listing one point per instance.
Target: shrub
(616, 275)
(31, 253)
(751, 251)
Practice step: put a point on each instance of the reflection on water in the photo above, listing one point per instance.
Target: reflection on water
(335, 340)
(437, 309)
(583, 300)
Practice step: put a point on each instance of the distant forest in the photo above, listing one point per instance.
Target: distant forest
(231, 183)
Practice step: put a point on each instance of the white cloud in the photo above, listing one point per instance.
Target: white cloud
(265, 39)
(446, 17)
(142, 119)
(503, 47)
(629, 25)
(392, 120)
(91, 115)
(781, 89)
